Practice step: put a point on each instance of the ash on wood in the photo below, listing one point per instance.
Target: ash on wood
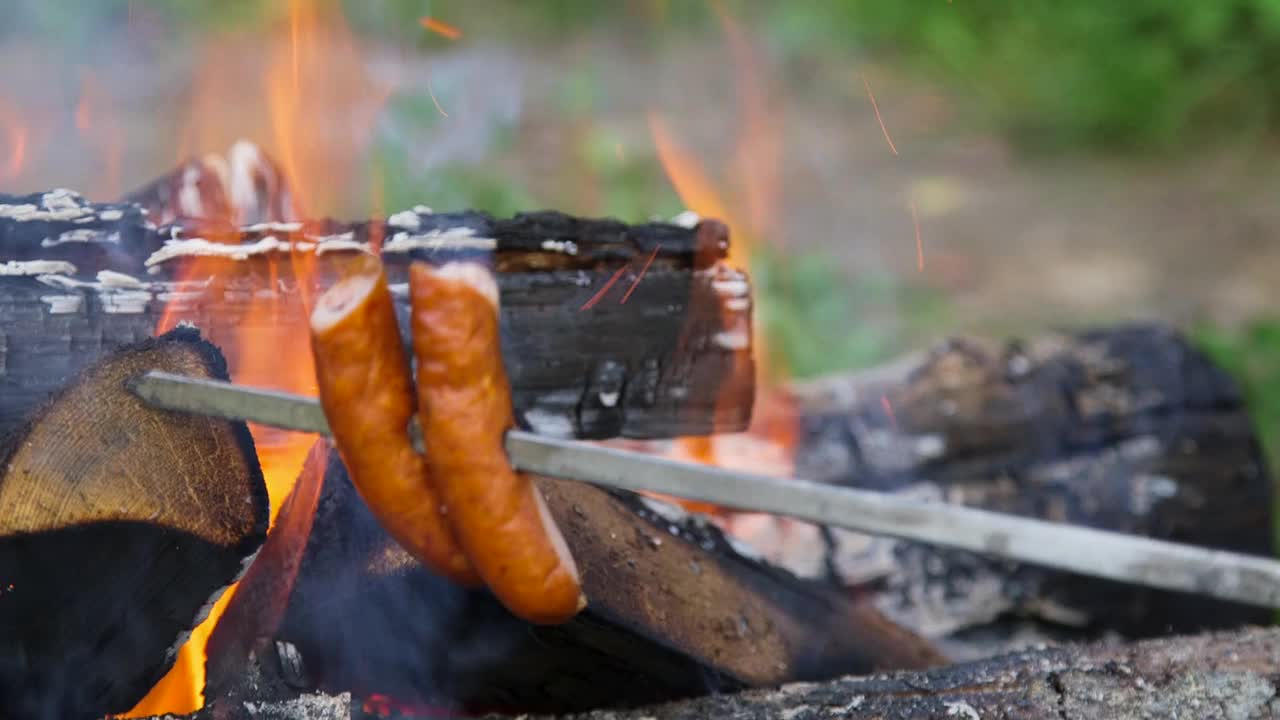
(1128, 429)
(674, 611)
(119, 526)
(1207, 677)
(77, 279)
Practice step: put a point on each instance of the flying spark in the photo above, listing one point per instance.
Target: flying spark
(879, 119)
(600, 293)
(441, 28)
(434, 101)
(643, 270)
(888, 410)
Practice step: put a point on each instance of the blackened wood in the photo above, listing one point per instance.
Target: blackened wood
(119, 525)
(1128, 429)
(1207, 677)
(244, 186)
(674, 611)
(77, 279)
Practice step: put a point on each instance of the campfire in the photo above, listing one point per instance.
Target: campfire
(164, 563)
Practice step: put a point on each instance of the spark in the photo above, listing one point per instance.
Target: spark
(440, 27)
(879, 119)
(635, 283)
(915, 221)
(888, 410)
(434, 101)
(600, 293)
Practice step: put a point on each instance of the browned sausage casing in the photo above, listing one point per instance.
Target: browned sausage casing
(464, 404)
(366, 390)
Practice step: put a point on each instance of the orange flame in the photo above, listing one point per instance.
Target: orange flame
(15, 137)
(749, 208)
(319, 108)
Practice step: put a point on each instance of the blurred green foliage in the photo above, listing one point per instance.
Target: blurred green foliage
(1252, 356)
(1143, 74)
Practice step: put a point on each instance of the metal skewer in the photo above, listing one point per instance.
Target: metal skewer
(1126, 558)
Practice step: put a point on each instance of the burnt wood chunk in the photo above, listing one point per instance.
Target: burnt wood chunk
(78, 279)
(119, 526)
(674, 611)
(1209, 677)
(1128, 429)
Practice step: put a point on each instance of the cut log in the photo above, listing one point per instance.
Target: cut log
(119, 527)
(674, 611)
(243, 187)
(1207, 677)
(1128, 429)
(77, 279)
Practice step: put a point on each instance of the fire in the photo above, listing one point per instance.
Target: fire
(749, 209)
(14, 134)
(319, 108)
(441, 28)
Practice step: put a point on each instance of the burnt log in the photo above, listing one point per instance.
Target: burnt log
(1128, 429)
(1207, 677)
(674, 611)
(119, 526)
(587, 357)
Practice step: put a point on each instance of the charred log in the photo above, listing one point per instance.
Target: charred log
(674, 611)
(1213, 677)
(1128, 429)
(78, 279)
(119, 525)
(243, 187)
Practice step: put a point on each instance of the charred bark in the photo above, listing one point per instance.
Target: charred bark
(1128, 429)
(1208, 677)
(674, 611)
(587, 356)
(118, 526)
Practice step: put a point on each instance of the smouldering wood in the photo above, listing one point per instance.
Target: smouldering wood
(674, 611)
(119, 525)
(1127, 429)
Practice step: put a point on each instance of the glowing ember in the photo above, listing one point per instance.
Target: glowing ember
(440, 27)
(879, 119)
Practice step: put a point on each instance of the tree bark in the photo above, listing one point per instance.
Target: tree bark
(608, 329)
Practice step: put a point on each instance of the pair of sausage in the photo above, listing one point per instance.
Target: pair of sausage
(462, 509)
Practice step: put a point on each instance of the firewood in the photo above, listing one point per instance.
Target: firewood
(78, 279)
(1128, 429)
(1207, 677)
(674, 611)
(119, 527)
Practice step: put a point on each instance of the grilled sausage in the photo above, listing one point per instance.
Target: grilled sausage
(464, 405)
(366, 390)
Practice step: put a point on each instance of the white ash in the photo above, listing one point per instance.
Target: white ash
(423, 210)
(732, 287)
(552, 424)
(609, 399)
(56, 205)
(200, 247)
(737, 304)
(37, 267)
(458, 238)
(567, 247)
(667, 511)
(687, 219)
(111, 215)
(343, 242)
(406, 219)
(82, 235)
(961, 709)
(790, 544)
(115, 299)
(274, 227)
(63, 304)
(111, 278)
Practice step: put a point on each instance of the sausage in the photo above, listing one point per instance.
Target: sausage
(366, 390)
(464, 406)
